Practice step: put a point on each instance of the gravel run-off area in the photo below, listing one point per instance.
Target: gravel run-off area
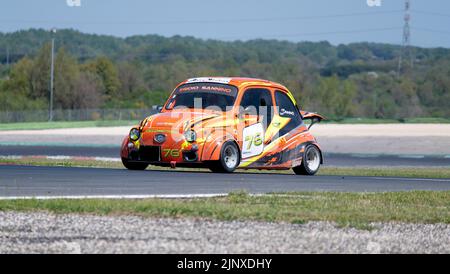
(41, 232)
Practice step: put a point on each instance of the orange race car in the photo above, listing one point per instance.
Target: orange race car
(224, 124)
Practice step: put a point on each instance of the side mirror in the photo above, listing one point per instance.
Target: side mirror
(314, 117)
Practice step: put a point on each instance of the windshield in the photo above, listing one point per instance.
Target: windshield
(203, 95)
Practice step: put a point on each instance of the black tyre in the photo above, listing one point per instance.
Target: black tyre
(133, 165)
(229, 159)
(310, 162)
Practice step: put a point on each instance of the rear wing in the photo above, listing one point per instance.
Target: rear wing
(314, 117)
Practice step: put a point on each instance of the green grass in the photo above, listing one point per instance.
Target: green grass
(407, 172)
(428, 120)
(80, 124)
(75, 124)
(345, 209)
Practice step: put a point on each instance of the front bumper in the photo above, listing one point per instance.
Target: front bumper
(162, 154)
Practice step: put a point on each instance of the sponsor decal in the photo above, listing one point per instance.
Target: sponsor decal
(189, 88)
(205, 88)
(220, 80)
(296, 162)
(159, 138)
(156, 130)
(286, 112)
(219, 89)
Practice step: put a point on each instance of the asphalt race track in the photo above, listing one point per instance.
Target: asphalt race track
(21, 181)
(28, 181)
(330, 159)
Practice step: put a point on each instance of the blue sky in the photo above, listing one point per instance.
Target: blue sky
(342, 21)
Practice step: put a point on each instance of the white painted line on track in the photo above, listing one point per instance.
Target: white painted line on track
(360, 155)
(12, 157)
(61, 157)
(106, 159)
(80, 197)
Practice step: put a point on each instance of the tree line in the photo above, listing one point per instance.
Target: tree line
(97, 71)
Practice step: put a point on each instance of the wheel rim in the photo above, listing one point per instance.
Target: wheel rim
(230, 156)
(313, 159)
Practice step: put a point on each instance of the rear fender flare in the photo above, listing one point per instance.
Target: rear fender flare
(318, 147)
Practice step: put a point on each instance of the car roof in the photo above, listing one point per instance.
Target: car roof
(235, 81)
(240, 82)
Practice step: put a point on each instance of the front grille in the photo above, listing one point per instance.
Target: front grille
(150, 153)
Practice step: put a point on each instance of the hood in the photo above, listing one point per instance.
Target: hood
(180, 120)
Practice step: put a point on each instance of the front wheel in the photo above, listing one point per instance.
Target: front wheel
(229, 159)
(310, 162)
(133, 165)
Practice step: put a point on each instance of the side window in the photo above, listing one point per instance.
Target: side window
(260, 102)
(287, 109)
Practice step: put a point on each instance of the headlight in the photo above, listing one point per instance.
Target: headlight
(135, 134)
(190, 136)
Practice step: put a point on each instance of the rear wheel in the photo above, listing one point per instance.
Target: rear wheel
(229, 159)
(133, 165)
(310, 162)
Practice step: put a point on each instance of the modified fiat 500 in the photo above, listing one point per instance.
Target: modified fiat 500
(223, 124)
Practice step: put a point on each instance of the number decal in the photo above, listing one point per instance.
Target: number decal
(258, 140)
(253, 140)
(171, 152)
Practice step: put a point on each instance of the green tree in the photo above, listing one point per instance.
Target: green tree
(66, 76)
(105, 69)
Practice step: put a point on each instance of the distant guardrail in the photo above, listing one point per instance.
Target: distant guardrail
(75, 115)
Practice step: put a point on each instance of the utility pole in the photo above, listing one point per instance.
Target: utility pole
(52, 70)
(406, 50)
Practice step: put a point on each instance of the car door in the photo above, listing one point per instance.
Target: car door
(288, 133)
(288, 116)
(282, 136)
(256, 113)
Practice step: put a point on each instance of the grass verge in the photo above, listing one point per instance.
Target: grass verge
(407, 172)
(63, 124)
(346, 209)
(106, 123)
